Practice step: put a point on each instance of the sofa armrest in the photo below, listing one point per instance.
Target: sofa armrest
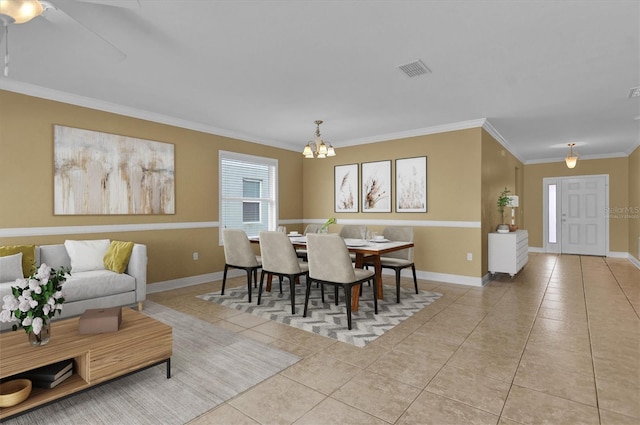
(137, 268)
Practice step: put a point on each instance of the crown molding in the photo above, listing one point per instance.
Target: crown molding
(462, 125)
(91, 103)
(580, 158)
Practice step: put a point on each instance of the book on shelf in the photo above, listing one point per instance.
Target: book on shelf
(51, 384)
(51, 372)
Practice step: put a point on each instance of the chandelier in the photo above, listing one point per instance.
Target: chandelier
(318, 148)
(572, 158)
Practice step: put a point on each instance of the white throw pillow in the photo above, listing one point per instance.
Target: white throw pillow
(11, 267)
(87, 255)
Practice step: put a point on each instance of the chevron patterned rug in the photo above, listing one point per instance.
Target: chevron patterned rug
(328, 319)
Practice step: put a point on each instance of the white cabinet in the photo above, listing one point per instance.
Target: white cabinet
(508, 252)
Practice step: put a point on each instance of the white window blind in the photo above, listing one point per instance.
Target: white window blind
(248, 194)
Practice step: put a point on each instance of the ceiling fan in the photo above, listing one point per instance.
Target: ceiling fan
(14, 12)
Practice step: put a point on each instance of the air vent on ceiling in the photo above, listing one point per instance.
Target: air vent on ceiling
(415, 68)
(634, 92)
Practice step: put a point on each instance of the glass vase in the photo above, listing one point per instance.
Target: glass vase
(42, 338)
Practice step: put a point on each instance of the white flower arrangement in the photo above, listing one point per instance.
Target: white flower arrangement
(34, 300)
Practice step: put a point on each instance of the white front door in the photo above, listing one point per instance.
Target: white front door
(581, 224)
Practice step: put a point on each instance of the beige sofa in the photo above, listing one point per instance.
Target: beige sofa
(95, 288)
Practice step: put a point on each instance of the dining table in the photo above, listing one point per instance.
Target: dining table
(369, 250)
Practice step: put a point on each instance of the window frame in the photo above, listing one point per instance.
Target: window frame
(272, 199)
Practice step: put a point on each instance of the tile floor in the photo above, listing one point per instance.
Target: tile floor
(559, 344)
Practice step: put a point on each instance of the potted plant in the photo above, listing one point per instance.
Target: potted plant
(503, 201)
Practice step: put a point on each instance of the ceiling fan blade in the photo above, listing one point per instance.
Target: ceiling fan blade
(128, 4)
(85, 12)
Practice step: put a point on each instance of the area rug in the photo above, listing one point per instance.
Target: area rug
(328, 319)
(209, 366)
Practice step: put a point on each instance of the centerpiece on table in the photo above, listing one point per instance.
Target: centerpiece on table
(33, 301)
(325, 226)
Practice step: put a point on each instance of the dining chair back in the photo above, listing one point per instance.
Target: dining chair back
(330, 263)
(238, 254)
(353, 231)
(279, 259)
(398, 260)
(312, 228)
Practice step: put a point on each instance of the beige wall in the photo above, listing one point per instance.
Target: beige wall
(500, 170)
(466, 171)
(618, 171)
(453, 194)
(634, 203)
(26, 182)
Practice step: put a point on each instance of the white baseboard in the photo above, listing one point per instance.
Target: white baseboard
(190, 281)
(634, 261)
(213, 277)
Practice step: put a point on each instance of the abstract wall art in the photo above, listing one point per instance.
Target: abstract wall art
(376, 186)
(346, 188)
(99, 173)
(411, 184)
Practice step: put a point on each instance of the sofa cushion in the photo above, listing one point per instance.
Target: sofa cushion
(11, 267)
(86, 255)
(117, 256)
(95, 284)
(28, 257)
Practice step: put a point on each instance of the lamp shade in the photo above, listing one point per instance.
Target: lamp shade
(513, 201)
(20, 11)
(571, 161)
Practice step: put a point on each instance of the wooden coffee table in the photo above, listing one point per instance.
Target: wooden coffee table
(140, 343)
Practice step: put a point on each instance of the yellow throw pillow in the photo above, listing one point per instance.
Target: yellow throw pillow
(28, 256)
(117, 256)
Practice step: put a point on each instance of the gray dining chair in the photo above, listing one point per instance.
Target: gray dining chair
(279, 259)
(238, 254)
(398, 260)
(330, 264)
(311, 228)
(353, 231)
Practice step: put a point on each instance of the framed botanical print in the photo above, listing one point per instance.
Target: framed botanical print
(411, 184)
(376, 186)
(346, 188)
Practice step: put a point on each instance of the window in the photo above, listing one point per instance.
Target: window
(248, 195)
(251, 209)
(552, 213)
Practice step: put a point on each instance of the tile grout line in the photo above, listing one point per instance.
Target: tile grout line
(593, 365)
(528, 337)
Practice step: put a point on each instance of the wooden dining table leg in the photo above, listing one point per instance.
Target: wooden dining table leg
(269, 280)
(378, 267)
(355, 291)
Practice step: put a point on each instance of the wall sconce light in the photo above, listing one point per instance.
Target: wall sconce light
(571, 159)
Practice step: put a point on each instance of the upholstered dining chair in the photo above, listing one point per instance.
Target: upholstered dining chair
(353, 231)
(238, 254)
(330, 264)
(279, 259)
(311, 228)
(398, 260)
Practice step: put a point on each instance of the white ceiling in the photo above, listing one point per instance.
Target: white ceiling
(543, 73)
